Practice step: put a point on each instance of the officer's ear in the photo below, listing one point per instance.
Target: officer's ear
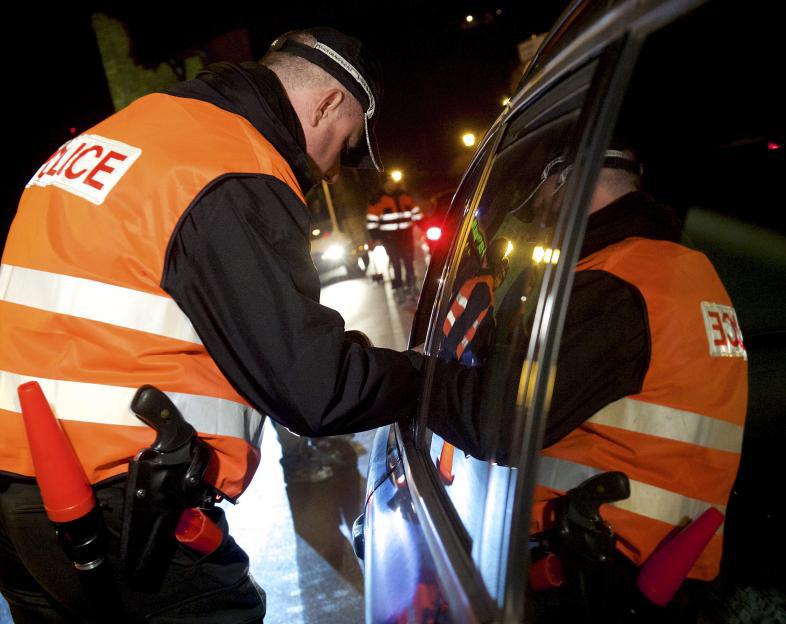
(328, 104)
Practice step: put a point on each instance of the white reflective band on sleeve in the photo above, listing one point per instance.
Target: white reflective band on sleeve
(393, 226)
(645, 499)
(96, 301)
(392, 216)
(461, 300)
(372, 217)
(372, 226)
(670, 423)
(97, 403)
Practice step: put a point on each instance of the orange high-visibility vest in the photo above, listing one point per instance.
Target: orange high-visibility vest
(459, 308)
(679, 439)
(392, 213)
(81, 307)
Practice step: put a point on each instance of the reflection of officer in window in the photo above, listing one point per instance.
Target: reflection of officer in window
(470, 319)
(642, 386)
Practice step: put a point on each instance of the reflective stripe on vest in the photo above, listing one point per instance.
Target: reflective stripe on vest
(645, 499)
(459, 305)
(389, 227)
(96, 301)
(392, 213)
(97, 403)
(667, 422)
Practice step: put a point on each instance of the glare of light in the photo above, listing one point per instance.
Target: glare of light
(396, 175)
(334, 252)
(365, 247)
(73, 130)
(509, 249)
(505, 101)
(498, 11)
(468, 139)
(772, 145)
(433, 233)
(470, 19)
(537, 254)
(545, 254)
(316, 232)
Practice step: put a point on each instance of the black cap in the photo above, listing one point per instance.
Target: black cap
(348, 61)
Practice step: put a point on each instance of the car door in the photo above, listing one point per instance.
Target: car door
(496, 308)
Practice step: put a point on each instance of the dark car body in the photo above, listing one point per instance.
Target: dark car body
(690, 80)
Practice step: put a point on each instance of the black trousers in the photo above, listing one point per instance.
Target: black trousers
(42, 586)
(401, 251)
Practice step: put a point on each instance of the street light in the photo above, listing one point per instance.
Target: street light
(470, 19)
(396, 175)
(468, 139)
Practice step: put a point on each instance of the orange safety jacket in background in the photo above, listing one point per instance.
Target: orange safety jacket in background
(81, 307)
(679, 439)
(391, 213)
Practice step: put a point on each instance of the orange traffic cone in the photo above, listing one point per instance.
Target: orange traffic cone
(64, 486)
(665, 570)
(68, 498)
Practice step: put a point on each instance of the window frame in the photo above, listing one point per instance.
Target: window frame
(462, 584)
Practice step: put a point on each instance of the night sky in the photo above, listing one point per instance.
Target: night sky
(442, 76)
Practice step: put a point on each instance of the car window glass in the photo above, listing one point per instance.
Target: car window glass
(485, 321)
(440, 248)
(678, 313)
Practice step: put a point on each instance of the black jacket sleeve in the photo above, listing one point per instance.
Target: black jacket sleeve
(239, 266)
(604, 353)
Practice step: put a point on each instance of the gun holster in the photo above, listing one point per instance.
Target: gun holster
(585, 544)
(163, 480)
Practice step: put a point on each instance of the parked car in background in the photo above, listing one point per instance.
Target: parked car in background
(445, 537)
(333, 249)
(334, 244)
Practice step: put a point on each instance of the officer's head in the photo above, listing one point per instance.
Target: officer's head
(620, 174)
(335, 87)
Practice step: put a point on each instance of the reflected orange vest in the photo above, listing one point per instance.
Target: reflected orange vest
(459, 308)
(81, 307)
(679, 439)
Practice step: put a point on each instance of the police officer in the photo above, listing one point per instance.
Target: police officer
(389, 220)
(169, 245)
(652, 372)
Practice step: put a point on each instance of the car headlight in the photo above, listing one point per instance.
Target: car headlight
(334, 252)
